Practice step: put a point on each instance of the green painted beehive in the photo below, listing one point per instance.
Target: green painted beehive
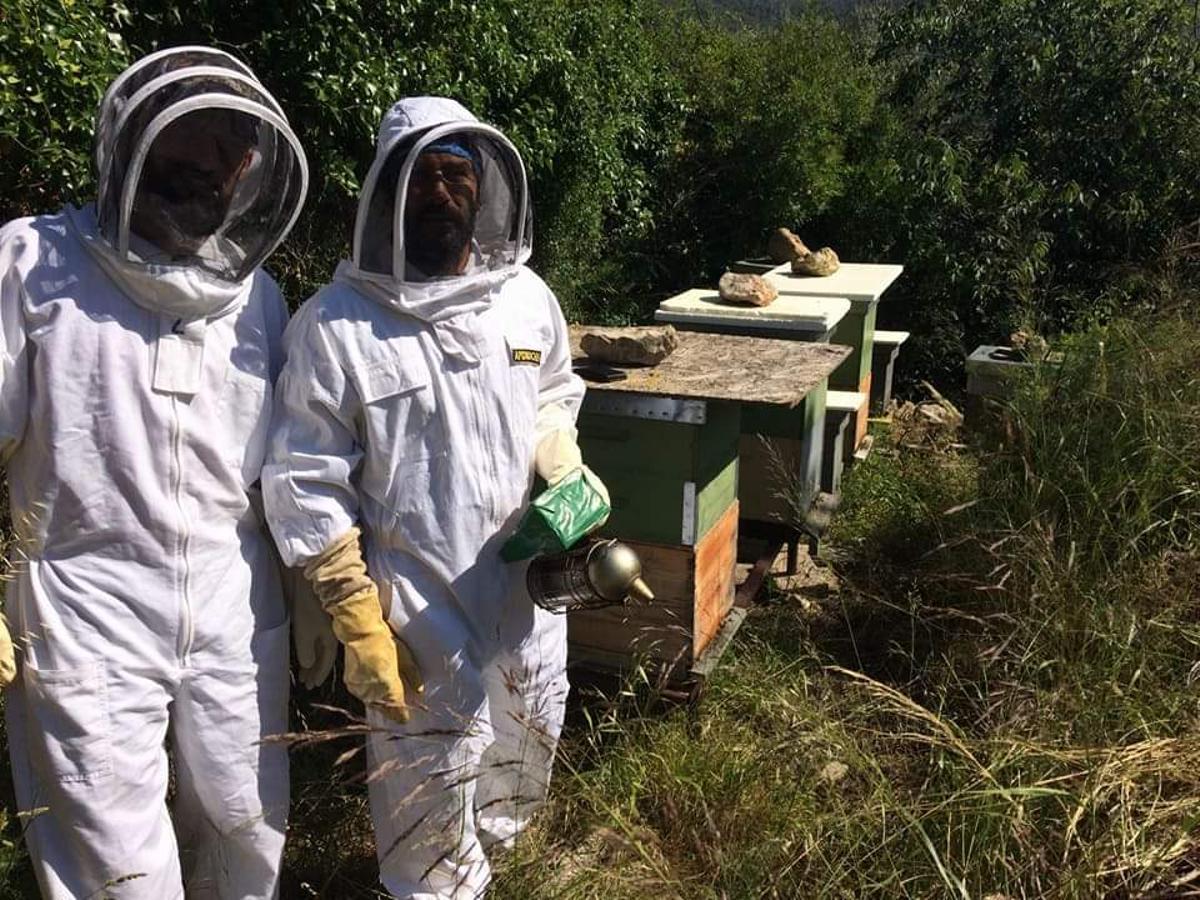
(669, 481)
(856, 331)
(862, 284)
(780, 458)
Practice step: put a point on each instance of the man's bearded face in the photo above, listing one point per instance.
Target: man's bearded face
(189, 179)
(439, 213)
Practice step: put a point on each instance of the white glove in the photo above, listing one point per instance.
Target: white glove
(557, 456)
(312, 629)
(8, 659)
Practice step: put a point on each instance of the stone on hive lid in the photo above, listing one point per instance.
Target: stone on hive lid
(746, 290)
(783, 246)
(1031, 344)
(644, 346)
(819, 262)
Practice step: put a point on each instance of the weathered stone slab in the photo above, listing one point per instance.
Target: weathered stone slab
(642, 346)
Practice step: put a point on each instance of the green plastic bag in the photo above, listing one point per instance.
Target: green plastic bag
(557, 519)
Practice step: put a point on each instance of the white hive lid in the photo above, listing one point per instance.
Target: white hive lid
(856, 281)
(786, 313)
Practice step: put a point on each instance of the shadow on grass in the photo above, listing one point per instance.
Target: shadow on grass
(16, 871)
(330, 849)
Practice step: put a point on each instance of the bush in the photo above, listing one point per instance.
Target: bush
(577, 89)
(772, 116)
(56, 59)
(1094, 514)
(1033, 158)
(1028, 161)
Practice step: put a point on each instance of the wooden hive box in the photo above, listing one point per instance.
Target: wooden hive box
(862, 284)
(781, 445)
(669, 481)
(693, 588)
(665, 441)
(780, 456)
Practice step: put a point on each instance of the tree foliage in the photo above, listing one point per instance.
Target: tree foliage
(55, 61)
(1027, 160)
(1038, 157)
(771, 116)
(573, 85)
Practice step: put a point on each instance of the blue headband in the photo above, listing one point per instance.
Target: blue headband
(456, 148)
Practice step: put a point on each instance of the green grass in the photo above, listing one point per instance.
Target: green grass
(1006, 674)
(998, 702)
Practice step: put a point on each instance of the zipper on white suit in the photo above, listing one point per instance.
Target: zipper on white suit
(187, 632)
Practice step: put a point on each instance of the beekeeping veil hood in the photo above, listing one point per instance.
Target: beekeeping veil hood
(199, 178)
(497, 237)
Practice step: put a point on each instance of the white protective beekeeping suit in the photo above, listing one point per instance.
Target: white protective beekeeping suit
(135, 400)
(411, 407)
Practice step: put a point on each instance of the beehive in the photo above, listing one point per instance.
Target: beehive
(788, 317)
(781, 447)
(669, 481)
(693, 592)
(780, 453)
(862, 284)
(666, 441)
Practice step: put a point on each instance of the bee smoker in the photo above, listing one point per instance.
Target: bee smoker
(588, 576)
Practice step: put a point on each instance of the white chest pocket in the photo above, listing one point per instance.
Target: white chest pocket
(400, 430)
(524, 349)
(246, 417)
(244, 388)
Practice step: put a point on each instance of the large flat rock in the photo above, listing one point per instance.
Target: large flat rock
(728, 367)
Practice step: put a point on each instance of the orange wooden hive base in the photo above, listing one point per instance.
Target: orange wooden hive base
(693, 591)
(863, 413)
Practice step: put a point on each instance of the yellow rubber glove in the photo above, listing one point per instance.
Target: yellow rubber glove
(8, 659)
(312, 630)
(378, 664)
(557, 455)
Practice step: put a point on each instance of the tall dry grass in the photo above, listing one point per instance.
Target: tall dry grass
(999, 703)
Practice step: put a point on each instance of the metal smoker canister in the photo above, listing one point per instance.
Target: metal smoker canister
(594, 574)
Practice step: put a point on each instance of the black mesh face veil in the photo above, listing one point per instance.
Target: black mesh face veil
(128, 83)
(196, 165)
(455, 186)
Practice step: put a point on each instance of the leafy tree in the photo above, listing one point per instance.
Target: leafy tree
(1033, 157)
(1029, 161)
(55, 61)
(574, 86)
(771, 116)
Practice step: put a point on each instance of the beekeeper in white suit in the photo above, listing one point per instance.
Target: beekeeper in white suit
(140, 340)
(423, 388)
